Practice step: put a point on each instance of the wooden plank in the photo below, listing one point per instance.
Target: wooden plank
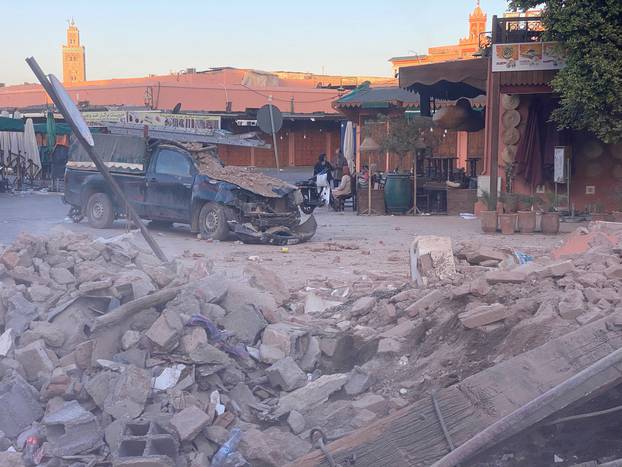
(413, 437)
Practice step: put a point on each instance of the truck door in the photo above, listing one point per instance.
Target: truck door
(169, 185)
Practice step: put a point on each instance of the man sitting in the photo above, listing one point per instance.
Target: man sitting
(344, 190)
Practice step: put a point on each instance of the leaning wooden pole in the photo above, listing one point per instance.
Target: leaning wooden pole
(571, 390)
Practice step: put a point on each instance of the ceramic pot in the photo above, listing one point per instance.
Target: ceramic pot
(550, 223)
(507, 223)
(489, 221)
(526, 222)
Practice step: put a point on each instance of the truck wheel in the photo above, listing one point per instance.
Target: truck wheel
(99, 211)
(213, 222)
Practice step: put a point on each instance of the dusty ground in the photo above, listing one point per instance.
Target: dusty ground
(345, 247)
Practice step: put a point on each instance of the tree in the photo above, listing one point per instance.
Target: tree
(590, 86)
(405, 134)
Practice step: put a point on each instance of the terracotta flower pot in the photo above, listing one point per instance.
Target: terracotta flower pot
(526, 222)
(550, 223)
(489, 221)
(507, 223)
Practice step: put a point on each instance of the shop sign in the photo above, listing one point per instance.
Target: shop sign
(527, 56)
(191, 121)
(105, 116)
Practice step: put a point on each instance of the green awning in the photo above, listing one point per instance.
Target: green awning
(61, 128)
(11, 124)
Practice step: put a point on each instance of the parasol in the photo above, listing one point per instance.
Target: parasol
(51, 131)
(348, 146)
(31, 148)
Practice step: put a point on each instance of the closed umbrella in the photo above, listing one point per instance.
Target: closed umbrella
(348, 145)
(51, 131)
(31, 148)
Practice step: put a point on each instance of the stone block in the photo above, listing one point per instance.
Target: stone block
(62, 276)
(128, 393)
(483, 315)
(288, 338)
(216, 434)
(401, 331)
(374, 402)
(19, 313)
(286, 374)
(556, 269)
(614, 272)
(269, 354)
(189, 422)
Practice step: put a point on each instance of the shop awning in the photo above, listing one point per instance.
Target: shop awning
(11, 124)
(447, 80)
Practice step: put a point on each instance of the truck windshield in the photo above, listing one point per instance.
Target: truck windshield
(171, 162)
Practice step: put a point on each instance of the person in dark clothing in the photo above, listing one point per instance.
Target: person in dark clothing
(323, 166)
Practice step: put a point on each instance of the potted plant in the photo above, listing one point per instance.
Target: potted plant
(527, 216)
(550, 218)
(508, 219)
(487, 217)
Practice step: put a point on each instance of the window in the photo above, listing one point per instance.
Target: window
(172, 162)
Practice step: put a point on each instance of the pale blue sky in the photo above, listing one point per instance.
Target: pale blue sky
(125, 38)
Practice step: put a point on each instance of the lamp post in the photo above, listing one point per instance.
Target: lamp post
(369, 145)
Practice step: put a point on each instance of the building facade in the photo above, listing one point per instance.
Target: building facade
(74, 57)
(464, 49)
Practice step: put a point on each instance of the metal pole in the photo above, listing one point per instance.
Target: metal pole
(95, 158)
(494, 123)
(276, 149)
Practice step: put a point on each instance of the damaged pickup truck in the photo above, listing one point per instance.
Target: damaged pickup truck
(184, 183)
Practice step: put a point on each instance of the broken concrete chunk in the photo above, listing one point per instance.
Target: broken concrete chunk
(310, 395)
(129, 394)
(72, 430)
(20, 312)
(389, 346)
(19, 405)
(485, 254)
(269, 354)
(245, 323)
(402, 330)
(296, 422)
(288, 338)
(431, 257)
(216, 434)
(483, 315)
(62, 276)
(189, 422)
(572, 305)
(130, 339)
(358, 382)
(7, 341)
(51, 333)
(505, 277)
(315, 304)
(272, 447)
(363, 305)
(87, 287)
(286, 374)
(614, 272)
(556, 269)
(311, 357)
(427, 303)
(36, 360)
(166, 330)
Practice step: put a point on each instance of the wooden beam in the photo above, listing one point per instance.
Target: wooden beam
(413, 435)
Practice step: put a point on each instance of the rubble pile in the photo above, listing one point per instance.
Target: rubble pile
(107, 355)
